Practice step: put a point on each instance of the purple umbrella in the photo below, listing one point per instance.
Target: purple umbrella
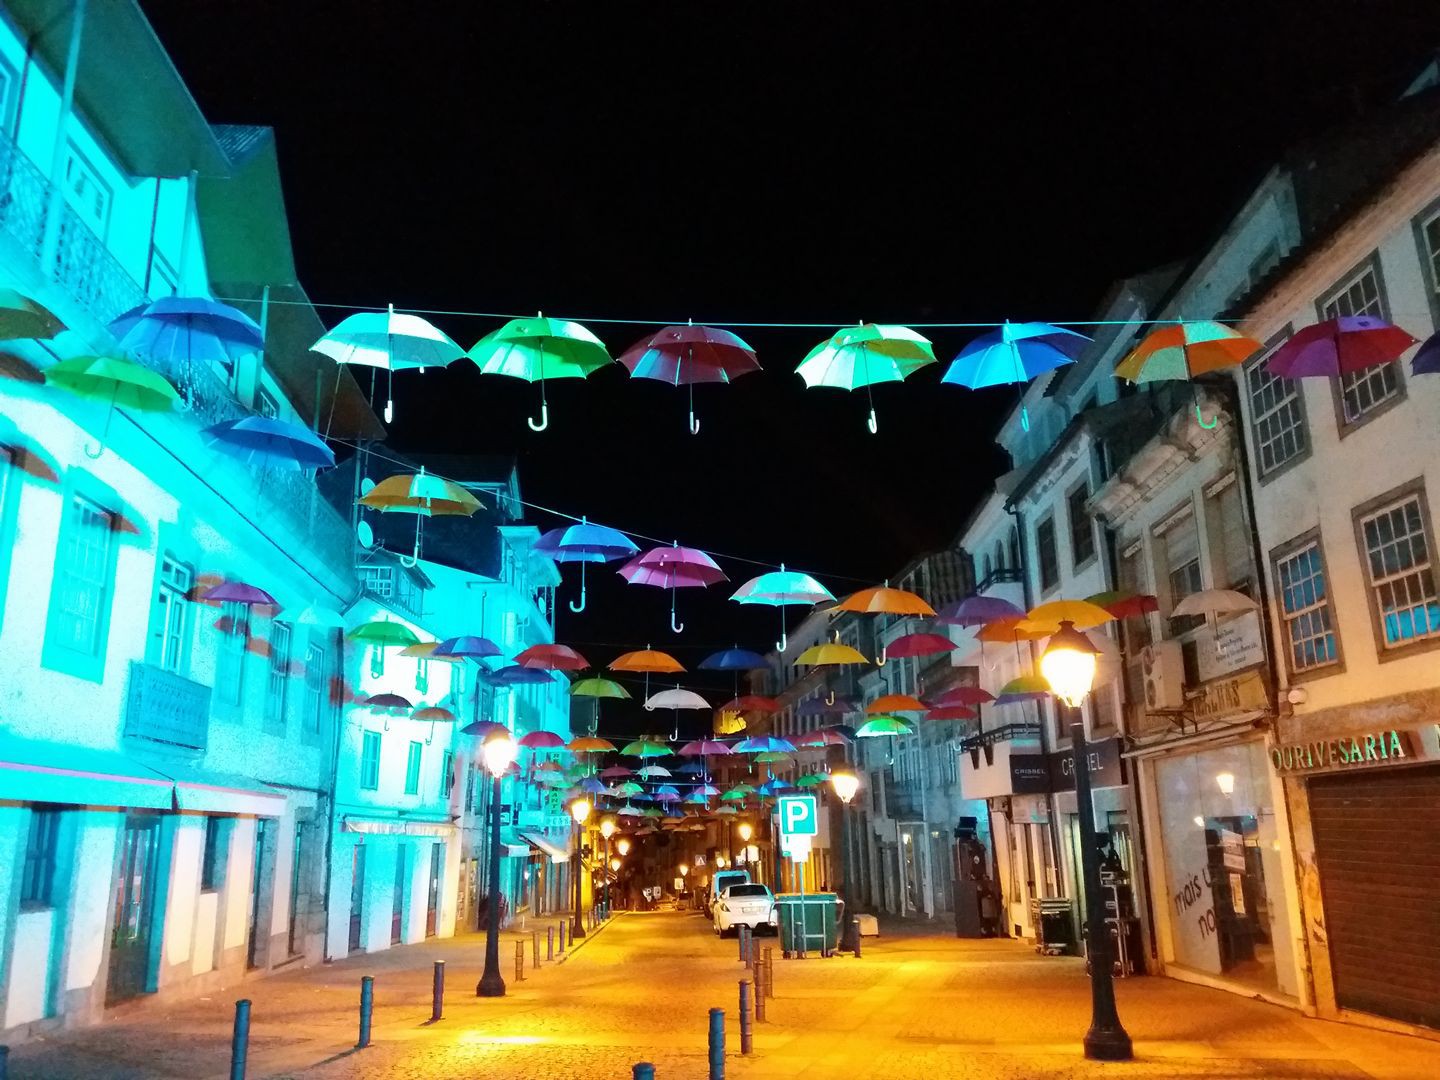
(483, 728)
(237, 592)
(1337, 347)
(673, 568)
(667, 793)
(477, 648)
(978, 610)
(686, 355)
(195, 329)
(585, 543)
(517, 675)
(1427, 357)
(265, 441)
(837, 705)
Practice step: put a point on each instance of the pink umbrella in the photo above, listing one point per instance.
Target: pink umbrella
(552, 658)
(541, 740)
(1337, 347)
(673, 568)
(615, 772)
(700, 747)
(919, 645)
(686, 355)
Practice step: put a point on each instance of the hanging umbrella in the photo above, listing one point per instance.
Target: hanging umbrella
(113, 380)
(424, 650)
(979, 610)
(951, 712)
(752, 703)
(541, 740)
(589, 744)
(538, 349)
(893, 703)
(483, 729)
(515, 675)
(861, 356)
(382, 633)
(707, 790)
(729, 809)
(592, 786)
(476, 648)
(1185, 351)
(698, 798)
(962, 696)
(188, 329)
(822, 737)
(667, 793)
(1214, 602)
(270, 443)
(673, 568)
(650, 772)
(738, 793)
(552, 658)
(686, 355)
(1427, 358)
(21, 317)
(381, 702)
(676, 699)
(883, 600)
(759, 744)
(646, 660)
(238, 592)
(829, 653)
(700, 747)
(735, 659)
(388, 341)
(646, 748)
(598, 688)
(1124, 605)
(1013, 631)
(771, 757)
(1024, 688)
(585, 543)
(883, 725)
(615, 772)
(1013, 354)
(1080, 612)
(832, 705)
(1338, 347)
(814, 779)
(919, 645)
(434, 714)
(422, 494)
(779, 588)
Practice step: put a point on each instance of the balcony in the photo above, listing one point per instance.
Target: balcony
(1005, 761)
(164, 707)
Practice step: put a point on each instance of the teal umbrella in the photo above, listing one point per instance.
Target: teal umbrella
(538, 349)
(389, 340)
(863, 356)
(781, 587)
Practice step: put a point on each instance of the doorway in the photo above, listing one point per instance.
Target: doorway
(134, 904)
(260, 872)
(357, 894)
(432, 899)
(293, 944)
(397, 905)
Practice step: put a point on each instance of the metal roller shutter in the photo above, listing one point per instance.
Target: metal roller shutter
(1377, 841)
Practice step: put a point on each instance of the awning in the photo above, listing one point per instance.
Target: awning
(38, 771)
(546, 846)
(396, 826)
(222, 793)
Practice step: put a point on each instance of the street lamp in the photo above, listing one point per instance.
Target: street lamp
(1068, 665)
(607, 830)
(845, 783)
(615, 865)
(498, 751)
(623, 846)
(579, 810)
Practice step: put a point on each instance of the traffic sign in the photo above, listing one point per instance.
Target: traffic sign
(798, 816)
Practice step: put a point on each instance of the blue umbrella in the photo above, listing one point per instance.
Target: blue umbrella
(477, 648)
(592, 786)
(517, 675)
(190, 328)
(1015, 353)
(262, 440)
(736, 659)
(691, 768)
(585, 543)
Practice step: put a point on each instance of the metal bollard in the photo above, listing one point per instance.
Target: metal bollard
(534, 949)
(367, 1007)
(437, 991)
(550, 943)
(717, 1044)
(239, 1043)
(769, 961)
(5, 1063)
(740, 941)
(857, 938)
(760, 976)
(642, 1070)
(562, 937)
(519, 961)
(746, 1042)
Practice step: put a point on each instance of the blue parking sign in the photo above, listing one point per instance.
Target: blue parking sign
(798, 816)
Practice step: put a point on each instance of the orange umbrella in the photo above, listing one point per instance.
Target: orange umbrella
(647, 660)
(1081, 613)
(1011, 631)
(893, 703)
(883, 600)
(589, 744)
(422, 494)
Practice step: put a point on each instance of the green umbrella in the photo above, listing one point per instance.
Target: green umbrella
(733, 795)
(813, 779)
(383, 632)
(538, 349)
(652, 812)
(863, 356)
(643, 748)
(21, 317)
(884, 725)
(114, 380)
(770, 757)
(630, 788)
(598, 688)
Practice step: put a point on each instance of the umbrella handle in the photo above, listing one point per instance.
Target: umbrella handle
(1200, 419)
(880, 657)
(544, 418)
(871, 422)
(783, 643)
(581, 608)
(678, 627)
(694, 424)
(431, 737)
(414, 557)
(830, 700)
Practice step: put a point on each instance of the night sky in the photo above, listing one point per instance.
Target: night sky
(787, 162)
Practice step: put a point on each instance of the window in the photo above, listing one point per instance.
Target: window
(1045, 554)
(9, 96)
(279, 680)
(172, 614)
(1182, 566)
(266, 405)
(422, 675)
(447, 773)
(83, 576)
(1277, 413)
(88, 195)
(1231, 556)
(1427, 232)
(234, 624)
(315, 683)
(212, 862)
(370, 761)
(1305, 606)
(1365, 390)
(37, 881)
(1082, 530)
(412, 768)
(1395, 543)
(470, 789)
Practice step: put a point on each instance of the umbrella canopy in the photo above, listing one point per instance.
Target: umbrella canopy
(951, 712)
(435, 714)
(686, 355)
(647, 660)
(676, 699)
(598, 688)
(883, 725)
(390, 341)
(673, 568)
(883, 600)
(552, 658)
(752, 703)
(667, 793)
(1337, 347)
(615, 772)
(1025, 688)
(701, 747)
(645, 748)
(238, 592)
(833, 706)
(115, 380)
(1123, 604)
(425, 650)
(483, 729)
(863, 356)
(736, 659)
(893, 703)
(476, 648)
(585, 543)
(193, 329)
(979, 610)
(1184, 351)
(383, 632)
(591, 786)
(21, 317)
(1013, 631)
(541, 740)
(265, 441)
(828, 653)
(919, 645)
(760, 744)
(649, 772)
(516, 675)
(1082, 613)
(538, 349)
(1014, 353)
(771, 757)
(386, 701)
(779, 588)
(1214, 602)
(814, 779)
(963, 696)
(420, 493)
(698, 798)
(823, 737)
(589, 744)
(1427, 357)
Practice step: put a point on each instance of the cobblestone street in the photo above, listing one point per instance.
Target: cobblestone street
(639, 989)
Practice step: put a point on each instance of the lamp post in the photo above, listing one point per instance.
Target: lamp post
(845, 783)
(684, 869)
(1068, 665)
(746, 830)
(498, 752)
(607, 830)
(579, 810)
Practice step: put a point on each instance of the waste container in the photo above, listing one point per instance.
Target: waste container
(808, 922)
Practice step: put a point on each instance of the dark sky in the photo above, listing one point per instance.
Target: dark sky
(792, 162)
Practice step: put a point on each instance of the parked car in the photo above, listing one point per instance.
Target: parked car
(748, 904)
(719, 882)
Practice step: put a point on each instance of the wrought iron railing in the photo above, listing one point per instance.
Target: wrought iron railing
(164, 707)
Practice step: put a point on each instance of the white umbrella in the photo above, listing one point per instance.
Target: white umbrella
(1214, 602)
(676, 699)
(384, 339)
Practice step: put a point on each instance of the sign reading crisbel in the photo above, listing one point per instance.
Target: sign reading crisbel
(1376, 748)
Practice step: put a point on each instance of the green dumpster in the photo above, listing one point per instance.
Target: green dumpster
(808, 922)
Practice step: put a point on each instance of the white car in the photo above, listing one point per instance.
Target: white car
(748, 904)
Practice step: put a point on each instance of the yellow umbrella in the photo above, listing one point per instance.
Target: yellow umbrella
(830, 652)
(1081, 613)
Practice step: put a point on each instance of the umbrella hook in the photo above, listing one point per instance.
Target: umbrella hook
(830, 699)
(871, 423)
(1200, 419)
(880, 657)
(678, 627)
(694, 424)
(783, 643)
(581, 606)
(544, 418)
(431, 737)
(414, 557)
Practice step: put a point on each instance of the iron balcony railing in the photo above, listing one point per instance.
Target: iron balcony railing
(164, 707)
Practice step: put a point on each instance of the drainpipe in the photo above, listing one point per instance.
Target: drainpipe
(50, 240)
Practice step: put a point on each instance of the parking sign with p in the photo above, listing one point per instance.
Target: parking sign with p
(798, 816)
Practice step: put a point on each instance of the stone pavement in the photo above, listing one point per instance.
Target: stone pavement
(916, 1005)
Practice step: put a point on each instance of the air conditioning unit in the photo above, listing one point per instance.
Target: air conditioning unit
(1164, 672)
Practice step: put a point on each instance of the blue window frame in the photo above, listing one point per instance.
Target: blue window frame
(37, 880)
(370, 761)
(412, 768)
(77, 625)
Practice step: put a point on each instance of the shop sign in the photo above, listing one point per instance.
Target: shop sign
(1236, 644)
(1029, 774)
(1375, 748)
(1243, 693)
(1105, 768)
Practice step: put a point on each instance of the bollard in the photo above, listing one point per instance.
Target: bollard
(534, 949)
(857, 939)
(437, 991)
(746, 1042)
(5, 1063)
(717, 1044)
(769, 962)
(740, 941)
(239, 1043)
(642, 1070)
(760, 976)
(550, 943)
(519, 961)
(367, 1006)
(562, 937)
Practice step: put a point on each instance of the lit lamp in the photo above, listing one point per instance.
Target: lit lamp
(845, 783)
(623, 846)
(1225, 781)
(607, 830)
(746, 831)
(615, 865)
(579, 810)
(1068, 665)
(498, 752)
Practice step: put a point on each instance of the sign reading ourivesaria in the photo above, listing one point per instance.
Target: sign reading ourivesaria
(1344, 752)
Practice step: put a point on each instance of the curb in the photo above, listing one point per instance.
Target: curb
(590, 935)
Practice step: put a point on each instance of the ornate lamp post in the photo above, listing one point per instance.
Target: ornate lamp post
(607, 830)
(845, 783)
(579, 810)
(1069, 667)
(498, 752)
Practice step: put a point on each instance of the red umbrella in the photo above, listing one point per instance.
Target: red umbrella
(919, 645)
(1339, 346)
(672, 568)
(541, 740)
(951, 712)
(962, 696)
(686, 355)
(552, 658)
(751, 703)
(1125, 604)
